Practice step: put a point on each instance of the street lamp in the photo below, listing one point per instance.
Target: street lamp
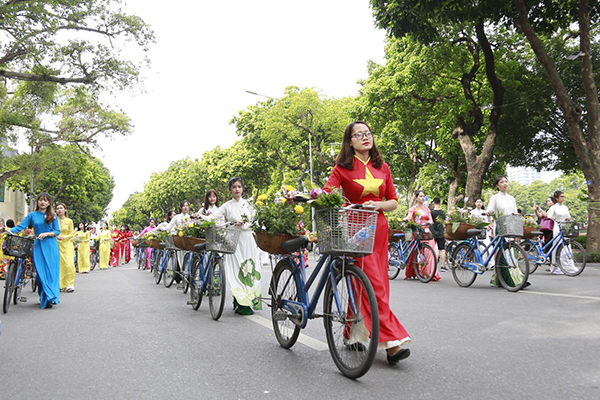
(309, 138)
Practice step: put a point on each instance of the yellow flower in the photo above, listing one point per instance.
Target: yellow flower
(261, 198)
(299, 209)
(180, 233)
(283, 200)
(191, 225)
(259, 203)
(289, 188)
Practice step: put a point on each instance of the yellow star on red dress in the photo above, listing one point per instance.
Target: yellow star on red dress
(369, 184)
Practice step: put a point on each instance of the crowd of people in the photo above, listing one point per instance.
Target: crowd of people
(360, 172)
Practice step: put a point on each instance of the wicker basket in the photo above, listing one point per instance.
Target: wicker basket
(154, 243)
(527, 232)
(222, 240)
(569, 229)
(135, 242)
(346, 231)
(178, 242)
(189, 242)
(272, 243)
(17, 246)
(460, 233)
(510, 225)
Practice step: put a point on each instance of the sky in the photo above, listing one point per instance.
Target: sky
(209, 53)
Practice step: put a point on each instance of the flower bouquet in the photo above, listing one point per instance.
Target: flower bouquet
(320, 199)
(275, 222)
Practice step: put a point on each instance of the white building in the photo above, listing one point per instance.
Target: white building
(13, 205)
(523, 175)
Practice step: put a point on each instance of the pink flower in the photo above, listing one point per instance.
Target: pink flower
(315, 192)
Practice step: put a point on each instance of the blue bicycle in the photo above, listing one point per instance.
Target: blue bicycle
(18, 274)
(350, 305)
(421, 254)
(166, 264)
(511, 260)
(570, 255)
(207, 274)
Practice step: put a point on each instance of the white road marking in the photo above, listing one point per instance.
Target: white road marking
(304, 339)
(575, 296)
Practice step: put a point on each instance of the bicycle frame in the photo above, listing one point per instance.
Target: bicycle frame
(543, 255)
(495, 245)
(307, 303)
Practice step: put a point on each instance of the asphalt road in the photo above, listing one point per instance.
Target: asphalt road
(121, 336)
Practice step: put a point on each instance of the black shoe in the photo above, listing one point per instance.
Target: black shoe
(527, 284)
(400, 355)
(358, 346)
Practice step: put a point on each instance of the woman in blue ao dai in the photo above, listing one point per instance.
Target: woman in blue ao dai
(45, 249)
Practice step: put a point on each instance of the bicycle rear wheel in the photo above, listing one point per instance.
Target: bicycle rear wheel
(463, 275)
(170, 269)
(216, 288)
(393, 262)
(196, 284)
(350, 307)
(19, 283)
(571, 258)
(425, 262)
(512, 266)
(284, 287)
(33, 277)
(9, 287)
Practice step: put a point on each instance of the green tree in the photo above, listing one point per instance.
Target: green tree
(581, 113)
(134, 213)
(293, 125)
(77, 179)
(56, 58)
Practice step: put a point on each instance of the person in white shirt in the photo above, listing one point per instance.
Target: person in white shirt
(559, 213)
(500, 204)
(242, 268)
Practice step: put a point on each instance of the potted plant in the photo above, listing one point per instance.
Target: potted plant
(192, 233)
(529, 225)
(458, 221)
(276, 221)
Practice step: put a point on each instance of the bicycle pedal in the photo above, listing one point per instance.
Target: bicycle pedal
(23, 299)
(180, 287)
(190, 303)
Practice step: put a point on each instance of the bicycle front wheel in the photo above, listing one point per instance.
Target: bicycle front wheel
(425, 263)
(284, 286)
(216, 288)
(9, 287)
(196, 284)
(393, 262)
(351, 319)
(159, 268)
(532, 254)
(571, 257)
(512, 266)
(142, 259)
(463, 275)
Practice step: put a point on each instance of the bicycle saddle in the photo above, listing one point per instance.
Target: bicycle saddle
(295, 244)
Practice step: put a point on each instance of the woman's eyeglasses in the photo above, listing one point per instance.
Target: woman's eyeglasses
(361, 135)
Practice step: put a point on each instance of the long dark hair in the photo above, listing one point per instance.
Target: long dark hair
(346, 157)
(181, 205)
(208, 193)
(556, 195)
(49, 216)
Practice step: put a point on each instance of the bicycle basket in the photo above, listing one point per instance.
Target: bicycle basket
(17, 246)
(422, 234)
(345, 231)
(510, 225)
(569, 229)
(222, 240)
